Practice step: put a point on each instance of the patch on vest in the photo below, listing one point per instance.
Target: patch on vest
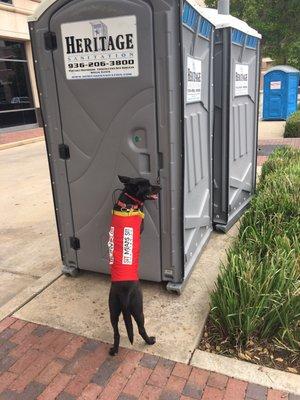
(111, 245)
(127, 245)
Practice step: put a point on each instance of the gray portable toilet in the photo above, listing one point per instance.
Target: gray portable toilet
(126, 88)
(236, 101)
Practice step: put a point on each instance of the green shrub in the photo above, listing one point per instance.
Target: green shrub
(258, 292)
(292, 127)
(283, 158)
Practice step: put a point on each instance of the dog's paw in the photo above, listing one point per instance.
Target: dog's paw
(113, 351)
(151, 340)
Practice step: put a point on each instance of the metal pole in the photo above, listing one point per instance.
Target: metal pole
(224, 7)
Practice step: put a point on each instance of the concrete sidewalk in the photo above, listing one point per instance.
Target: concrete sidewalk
(38, 362)
(271, 129)
(29, 245)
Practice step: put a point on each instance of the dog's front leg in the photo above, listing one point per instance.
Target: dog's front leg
(115, 311)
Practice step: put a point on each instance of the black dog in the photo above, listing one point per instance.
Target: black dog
(124, 248)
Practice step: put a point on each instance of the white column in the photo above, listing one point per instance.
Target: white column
(32, 74)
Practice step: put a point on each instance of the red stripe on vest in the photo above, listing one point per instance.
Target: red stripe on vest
(124, 246)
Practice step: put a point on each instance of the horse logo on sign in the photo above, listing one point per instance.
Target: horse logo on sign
(99, 29)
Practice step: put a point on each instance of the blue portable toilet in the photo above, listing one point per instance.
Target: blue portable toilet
(280, 92)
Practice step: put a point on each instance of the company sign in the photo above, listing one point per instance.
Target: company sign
(101, 48)
(241, 80)
(194, 80)
(275, 85)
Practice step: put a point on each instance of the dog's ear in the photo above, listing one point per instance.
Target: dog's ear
(124, 179)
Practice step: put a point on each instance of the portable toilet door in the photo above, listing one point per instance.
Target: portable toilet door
(280, 92)
(197, 51)
(113, 83)
(236, 100)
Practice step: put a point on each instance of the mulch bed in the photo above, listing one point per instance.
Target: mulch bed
(259, 352)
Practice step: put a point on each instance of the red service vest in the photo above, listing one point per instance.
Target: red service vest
(124, 245)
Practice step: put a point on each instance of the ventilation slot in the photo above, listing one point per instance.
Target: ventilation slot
(251, 42)
(190, 16)
(238, 37)
(205, 28)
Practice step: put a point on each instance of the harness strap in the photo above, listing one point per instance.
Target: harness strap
(125, 207)
(134, 199)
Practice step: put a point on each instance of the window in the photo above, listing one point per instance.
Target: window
(16, 103)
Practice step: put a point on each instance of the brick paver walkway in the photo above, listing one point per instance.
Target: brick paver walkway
(295, 142)
(11, 137)
(38, 362)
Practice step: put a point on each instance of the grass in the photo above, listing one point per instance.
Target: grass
(257, 294)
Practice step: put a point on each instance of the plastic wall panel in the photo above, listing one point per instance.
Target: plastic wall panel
(197, 144)
(221, 123)
(243, 114)
(169, 102)
(53, 134)
(292, 94)
(235, 132)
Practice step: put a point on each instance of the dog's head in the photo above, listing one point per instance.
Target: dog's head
(140, 188)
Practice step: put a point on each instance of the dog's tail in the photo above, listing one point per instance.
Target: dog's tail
(127, 319)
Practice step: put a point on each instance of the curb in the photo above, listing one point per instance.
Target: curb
(29, 293)
(21, 142)
(257, 374)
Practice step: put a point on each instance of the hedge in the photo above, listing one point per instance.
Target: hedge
(292, 128)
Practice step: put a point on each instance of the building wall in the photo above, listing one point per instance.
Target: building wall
(13, 18)
(266, 63)
(13, 25)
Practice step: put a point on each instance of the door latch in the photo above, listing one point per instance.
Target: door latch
(50, 40)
